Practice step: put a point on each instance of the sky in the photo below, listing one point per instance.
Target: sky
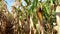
(10, 2)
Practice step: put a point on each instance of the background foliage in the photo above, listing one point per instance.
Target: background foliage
(30, 9)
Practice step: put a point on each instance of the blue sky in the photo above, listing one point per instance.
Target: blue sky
(9, 4)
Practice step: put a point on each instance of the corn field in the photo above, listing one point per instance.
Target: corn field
(35, 17)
